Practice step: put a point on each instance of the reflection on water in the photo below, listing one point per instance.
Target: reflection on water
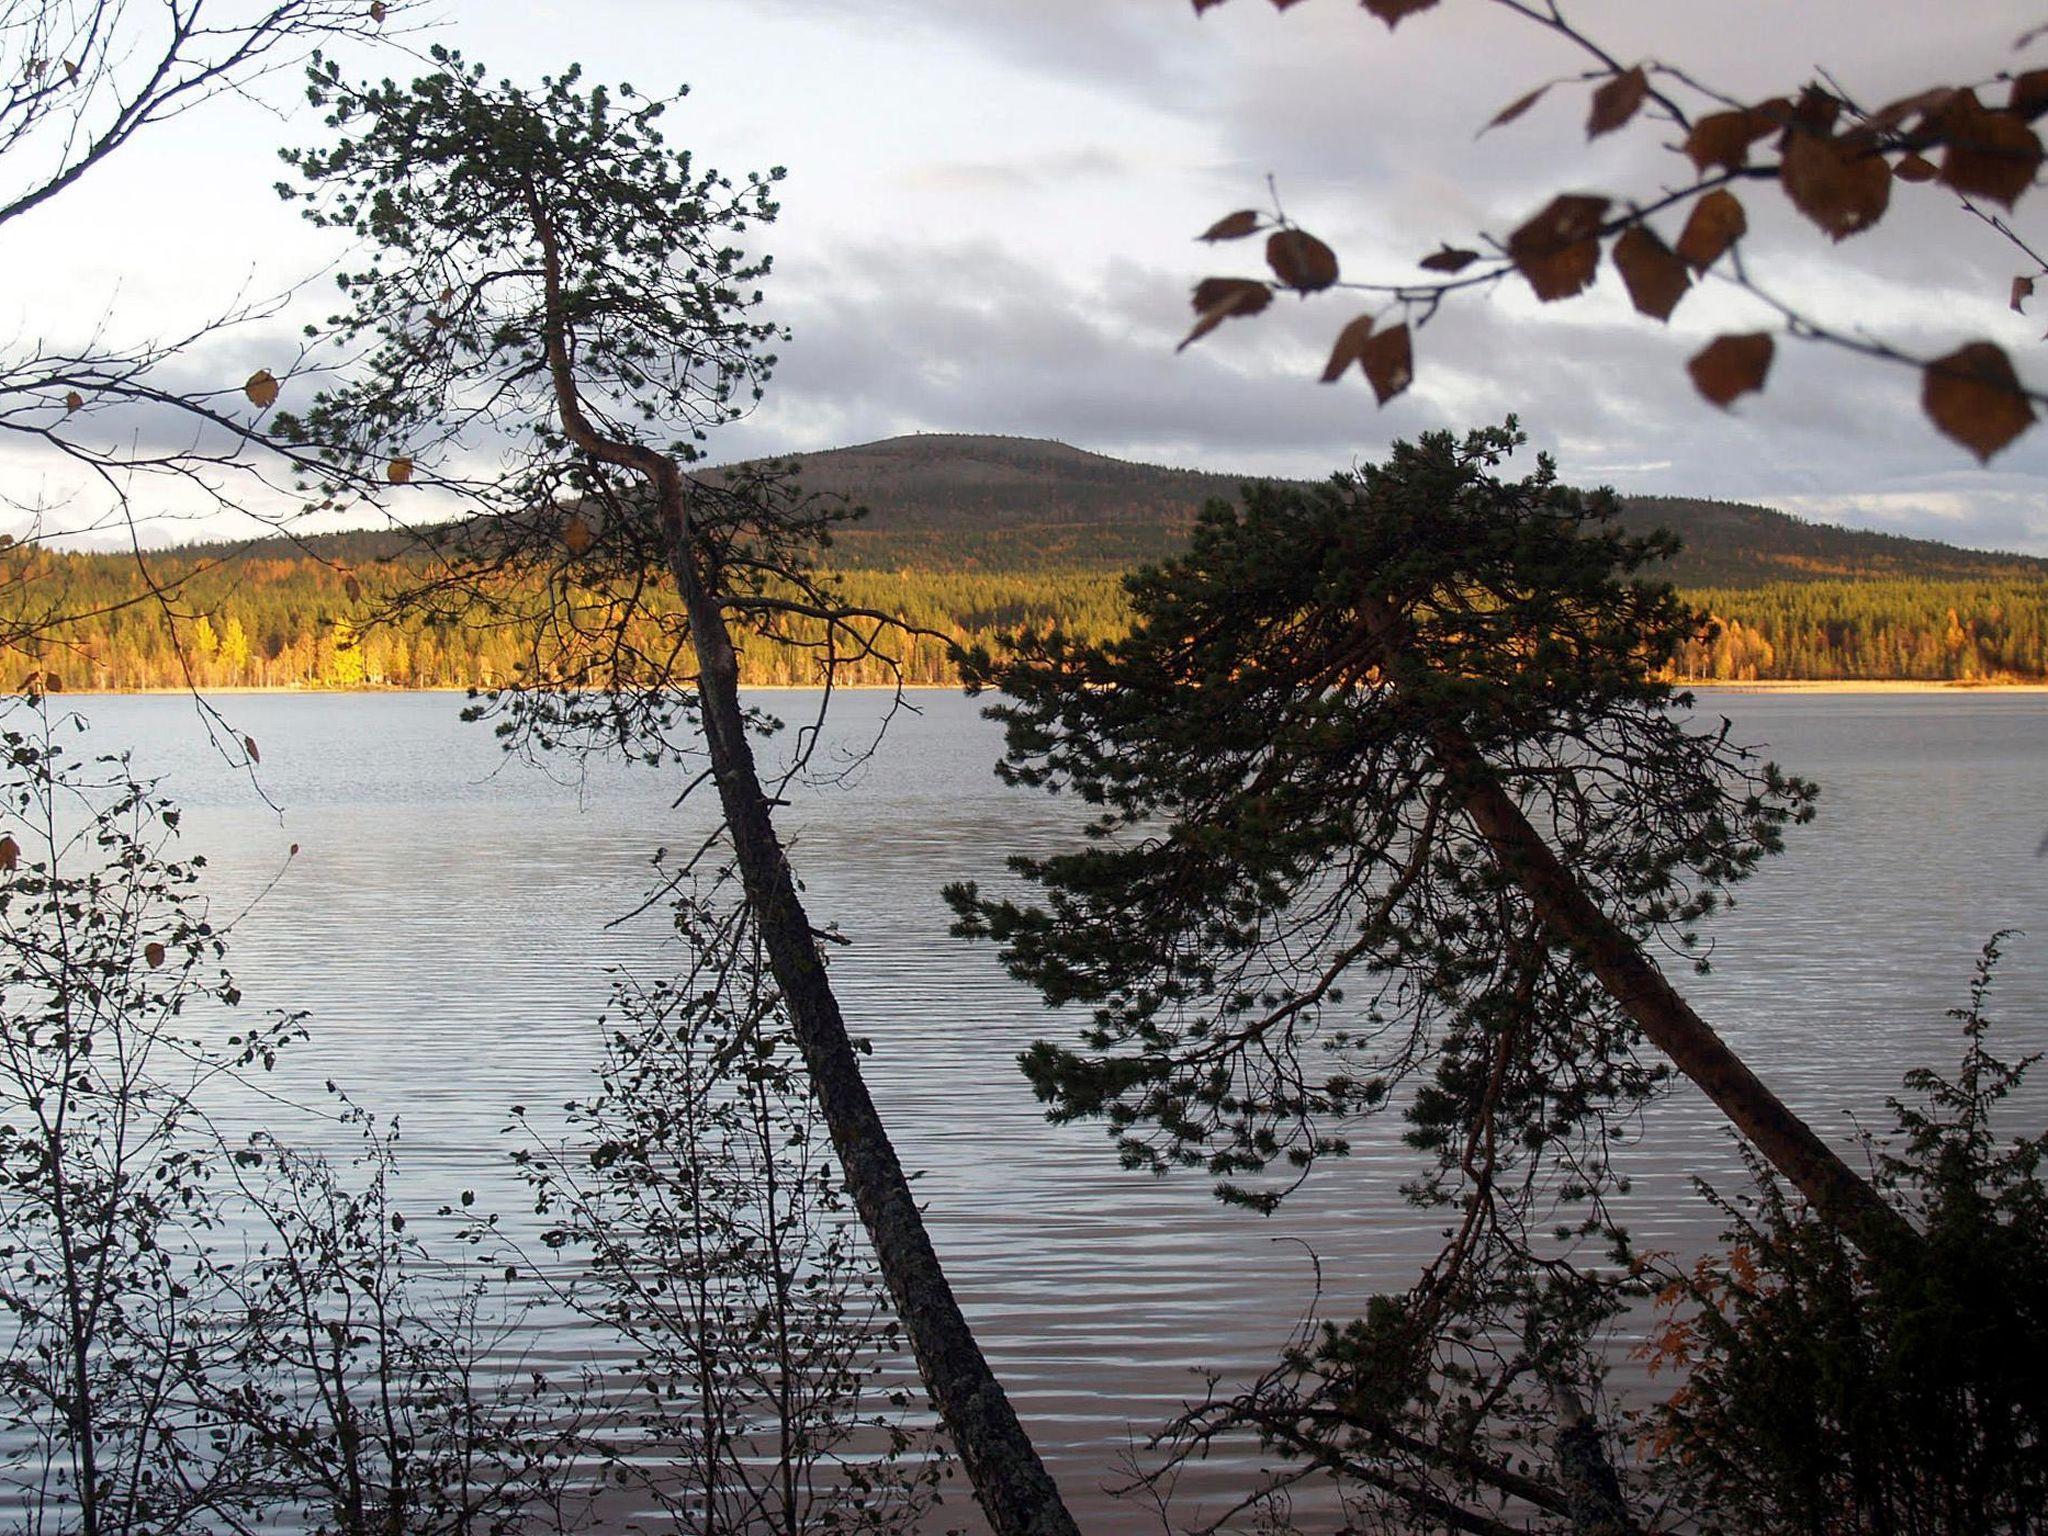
(446, 924)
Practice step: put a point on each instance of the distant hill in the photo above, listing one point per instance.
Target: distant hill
(961, 502)
(970, 538)
(999, 503)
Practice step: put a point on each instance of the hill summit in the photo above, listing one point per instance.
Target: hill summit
(975, 501)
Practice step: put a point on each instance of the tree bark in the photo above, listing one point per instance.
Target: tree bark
(1010, 1482)
(1633, 979)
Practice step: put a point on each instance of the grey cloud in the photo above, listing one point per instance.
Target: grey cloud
(988, 342)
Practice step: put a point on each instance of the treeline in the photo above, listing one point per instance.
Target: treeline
(1924, 631)
(222, 622)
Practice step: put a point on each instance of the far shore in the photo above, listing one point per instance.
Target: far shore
(1778, 685)
(1865, 685)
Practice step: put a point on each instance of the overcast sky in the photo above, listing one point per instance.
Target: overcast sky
(988, 217)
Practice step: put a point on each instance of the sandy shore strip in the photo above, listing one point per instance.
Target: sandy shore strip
(1822, 685)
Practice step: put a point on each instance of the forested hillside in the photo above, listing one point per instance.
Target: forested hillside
(969, 536)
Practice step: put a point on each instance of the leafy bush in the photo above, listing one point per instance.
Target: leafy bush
(1831, 1390)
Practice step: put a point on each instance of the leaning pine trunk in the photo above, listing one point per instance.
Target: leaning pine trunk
(1010, 1481)
(1632, 978)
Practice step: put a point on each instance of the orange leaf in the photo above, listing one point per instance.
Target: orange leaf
(1974, 397)
(2022, 290)
(1990, 154)
(1715, 223)
(249, 746)
(1915, 168)
(261, 388)
(1349, 346)
(1219, 298)
(1300, 260)
(1389, 362)
(577, 535)
(1656, 279)
(399, 470)
(1842, 184)
(1617, 101)
(10, 854)
(1513, 110)
(1559, 249)
(1729, 366)
(1723, 139)
(1233, 226)
(153, 952)
(1391, 11)
(1449, 259)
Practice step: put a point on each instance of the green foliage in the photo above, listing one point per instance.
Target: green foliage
(456, 185)
(1286, 912)
(1832, 1391)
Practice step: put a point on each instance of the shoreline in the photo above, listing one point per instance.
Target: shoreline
(1768, 685)
(1861, 685)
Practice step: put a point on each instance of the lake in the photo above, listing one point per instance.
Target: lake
(446, 923)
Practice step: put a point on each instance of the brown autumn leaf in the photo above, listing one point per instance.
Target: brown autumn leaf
(73, 401)
(261, 388)
(1894, 114)
(1300, 260)
(249, 746)
(2029, 97)
(10, 854)
(1973, 396)
(1723, 139)
(1776, 111)
(1842, 184)
(1513, 110)
(1219, 298)
(1815, 111)
(1450, 259)
(1233, 226)
(1656, 279)
(154, 953)
(1616, 101)
(2022, 290)
(1915, 168)
(577, 535)
(399, 470)
(1388, 359)
(1348, 347)
(1715, 223)
(1391, 11)
(1993, 155)
(1558, 250)
(1731, 366)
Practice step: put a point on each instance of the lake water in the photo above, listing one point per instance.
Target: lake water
(445, 921)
